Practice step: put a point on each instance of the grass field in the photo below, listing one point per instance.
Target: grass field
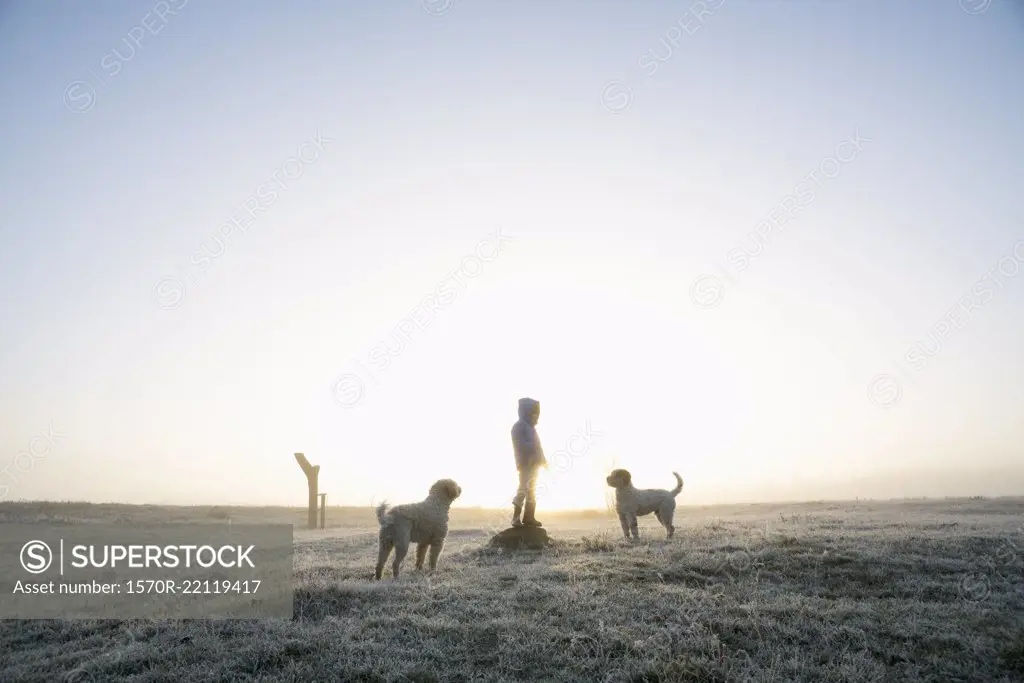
(859, 591)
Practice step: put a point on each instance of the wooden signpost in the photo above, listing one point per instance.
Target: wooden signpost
(312, 473)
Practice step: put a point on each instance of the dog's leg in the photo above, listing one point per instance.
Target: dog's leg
(401, 548)
(624, 521)
(667, 519)
(421, 554)
(435, 552)
(382, 556)
(400, 551)
(633, 527)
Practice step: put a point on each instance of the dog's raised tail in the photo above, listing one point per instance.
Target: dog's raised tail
(679, 484)
(382, 510)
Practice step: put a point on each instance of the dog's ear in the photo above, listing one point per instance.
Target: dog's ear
(625, 477)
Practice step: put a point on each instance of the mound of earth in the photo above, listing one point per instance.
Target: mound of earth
(522, 538)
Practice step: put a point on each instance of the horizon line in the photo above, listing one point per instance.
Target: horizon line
(555, 511)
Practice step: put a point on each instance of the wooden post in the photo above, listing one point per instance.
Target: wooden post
(312, 474)
(323, 510)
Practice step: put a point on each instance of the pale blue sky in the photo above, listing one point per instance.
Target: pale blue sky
(445, 127)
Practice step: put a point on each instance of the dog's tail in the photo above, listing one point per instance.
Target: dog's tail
(679, 484)
(382, 510)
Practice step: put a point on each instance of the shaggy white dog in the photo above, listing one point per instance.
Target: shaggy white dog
(424, 523)
(631, 502)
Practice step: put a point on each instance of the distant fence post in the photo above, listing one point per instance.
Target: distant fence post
(323, 510)
(312, 473)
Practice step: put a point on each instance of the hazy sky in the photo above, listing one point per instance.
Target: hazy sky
(623, 151)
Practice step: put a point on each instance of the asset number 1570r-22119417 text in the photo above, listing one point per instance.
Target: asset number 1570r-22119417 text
(193, 586)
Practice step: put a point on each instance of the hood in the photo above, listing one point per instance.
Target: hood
(527, 407)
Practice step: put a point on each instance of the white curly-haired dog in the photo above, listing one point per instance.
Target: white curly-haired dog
(424, 523)
(631, 502)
